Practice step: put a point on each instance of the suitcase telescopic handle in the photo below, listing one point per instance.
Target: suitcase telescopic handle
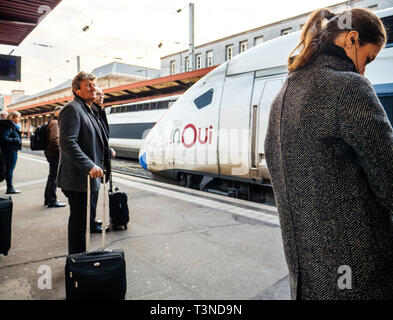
(88, 215)
(103, 244)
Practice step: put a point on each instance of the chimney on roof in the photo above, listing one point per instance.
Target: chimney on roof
(16, 95)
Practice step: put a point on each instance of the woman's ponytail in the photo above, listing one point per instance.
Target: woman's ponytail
(310, 38)
(324, 26)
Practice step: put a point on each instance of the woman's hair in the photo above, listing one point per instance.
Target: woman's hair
(13, 114)
(323, 26)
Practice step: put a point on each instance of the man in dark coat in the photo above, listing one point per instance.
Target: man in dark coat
(83, 151)
(52, 153)
(329, 150)
(99, 111)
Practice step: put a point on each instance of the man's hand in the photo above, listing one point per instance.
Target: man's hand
(96, 172)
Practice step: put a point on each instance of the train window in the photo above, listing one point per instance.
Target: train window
(204, 100)
(128, 109)
(170, 103)
(162, 105)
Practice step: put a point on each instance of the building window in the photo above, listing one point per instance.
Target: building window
(286, 31)
(209, 58)
(374, 7)
(229, 52)
(187, 66)
(258, 40)
(243, 46)
(198, 61)
(173, 67)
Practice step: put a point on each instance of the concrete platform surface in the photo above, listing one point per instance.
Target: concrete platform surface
(180, 243)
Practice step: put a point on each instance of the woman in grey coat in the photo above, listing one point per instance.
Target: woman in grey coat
(329, 150)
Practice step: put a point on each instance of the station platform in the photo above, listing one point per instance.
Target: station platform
(180, 244)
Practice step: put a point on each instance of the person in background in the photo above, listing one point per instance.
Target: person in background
(329, 152)
(52, 153)
(11, 142)
(3, 115)
(99, 111)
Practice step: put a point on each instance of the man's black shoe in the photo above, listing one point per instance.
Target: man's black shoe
(98, 229)
(56, 204)
(12, 191)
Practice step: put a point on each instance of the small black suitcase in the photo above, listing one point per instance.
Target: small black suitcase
(5, 223)
(118, 208)
(97, 274)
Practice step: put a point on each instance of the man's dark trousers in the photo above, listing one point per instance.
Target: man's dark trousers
(77, 220)
(50, 189)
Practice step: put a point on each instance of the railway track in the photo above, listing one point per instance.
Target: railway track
(130, 168)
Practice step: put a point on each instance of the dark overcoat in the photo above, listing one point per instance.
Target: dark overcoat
(10, 136)
(82, 145)
(329, 150)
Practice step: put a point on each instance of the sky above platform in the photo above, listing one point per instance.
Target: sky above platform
(131, 30)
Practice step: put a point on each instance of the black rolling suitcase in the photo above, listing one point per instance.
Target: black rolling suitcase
(5, 224)
(118, 208)
(96, 274)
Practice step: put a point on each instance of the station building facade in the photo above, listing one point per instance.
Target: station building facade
(217, 52)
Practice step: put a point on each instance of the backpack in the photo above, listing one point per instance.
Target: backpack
(39, 139)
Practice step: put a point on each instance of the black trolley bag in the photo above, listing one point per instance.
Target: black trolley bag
(5, 224)
(97, 274)
(118, 208)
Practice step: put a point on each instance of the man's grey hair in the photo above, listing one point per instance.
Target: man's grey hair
(58, 108)
(81, 76)
(3, 115)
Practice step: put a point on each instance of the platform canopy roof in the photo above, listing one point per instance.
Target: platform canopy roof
(20, 17)
(133, 92)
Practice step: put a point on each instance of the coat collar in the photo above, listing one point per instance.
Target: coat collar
(90, 115)
(334, 57)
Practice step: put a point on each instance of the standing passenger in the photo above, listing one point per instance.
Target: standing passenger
(99, 111)
(52, 152)
(83, 146)
(329, 150)
(11, 142)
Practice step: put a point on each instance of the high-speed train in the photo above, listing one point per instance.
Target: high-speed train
(213, 136)
(130, 123)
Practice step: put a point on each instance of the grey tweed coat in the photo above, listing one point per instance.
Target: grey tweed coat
(329, 150)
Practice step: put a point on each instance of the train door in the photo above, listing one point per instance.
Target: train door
(234, 124)
(265, 90)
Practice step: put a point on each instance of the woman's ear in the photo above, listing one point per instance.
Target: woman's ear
(351, 38)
